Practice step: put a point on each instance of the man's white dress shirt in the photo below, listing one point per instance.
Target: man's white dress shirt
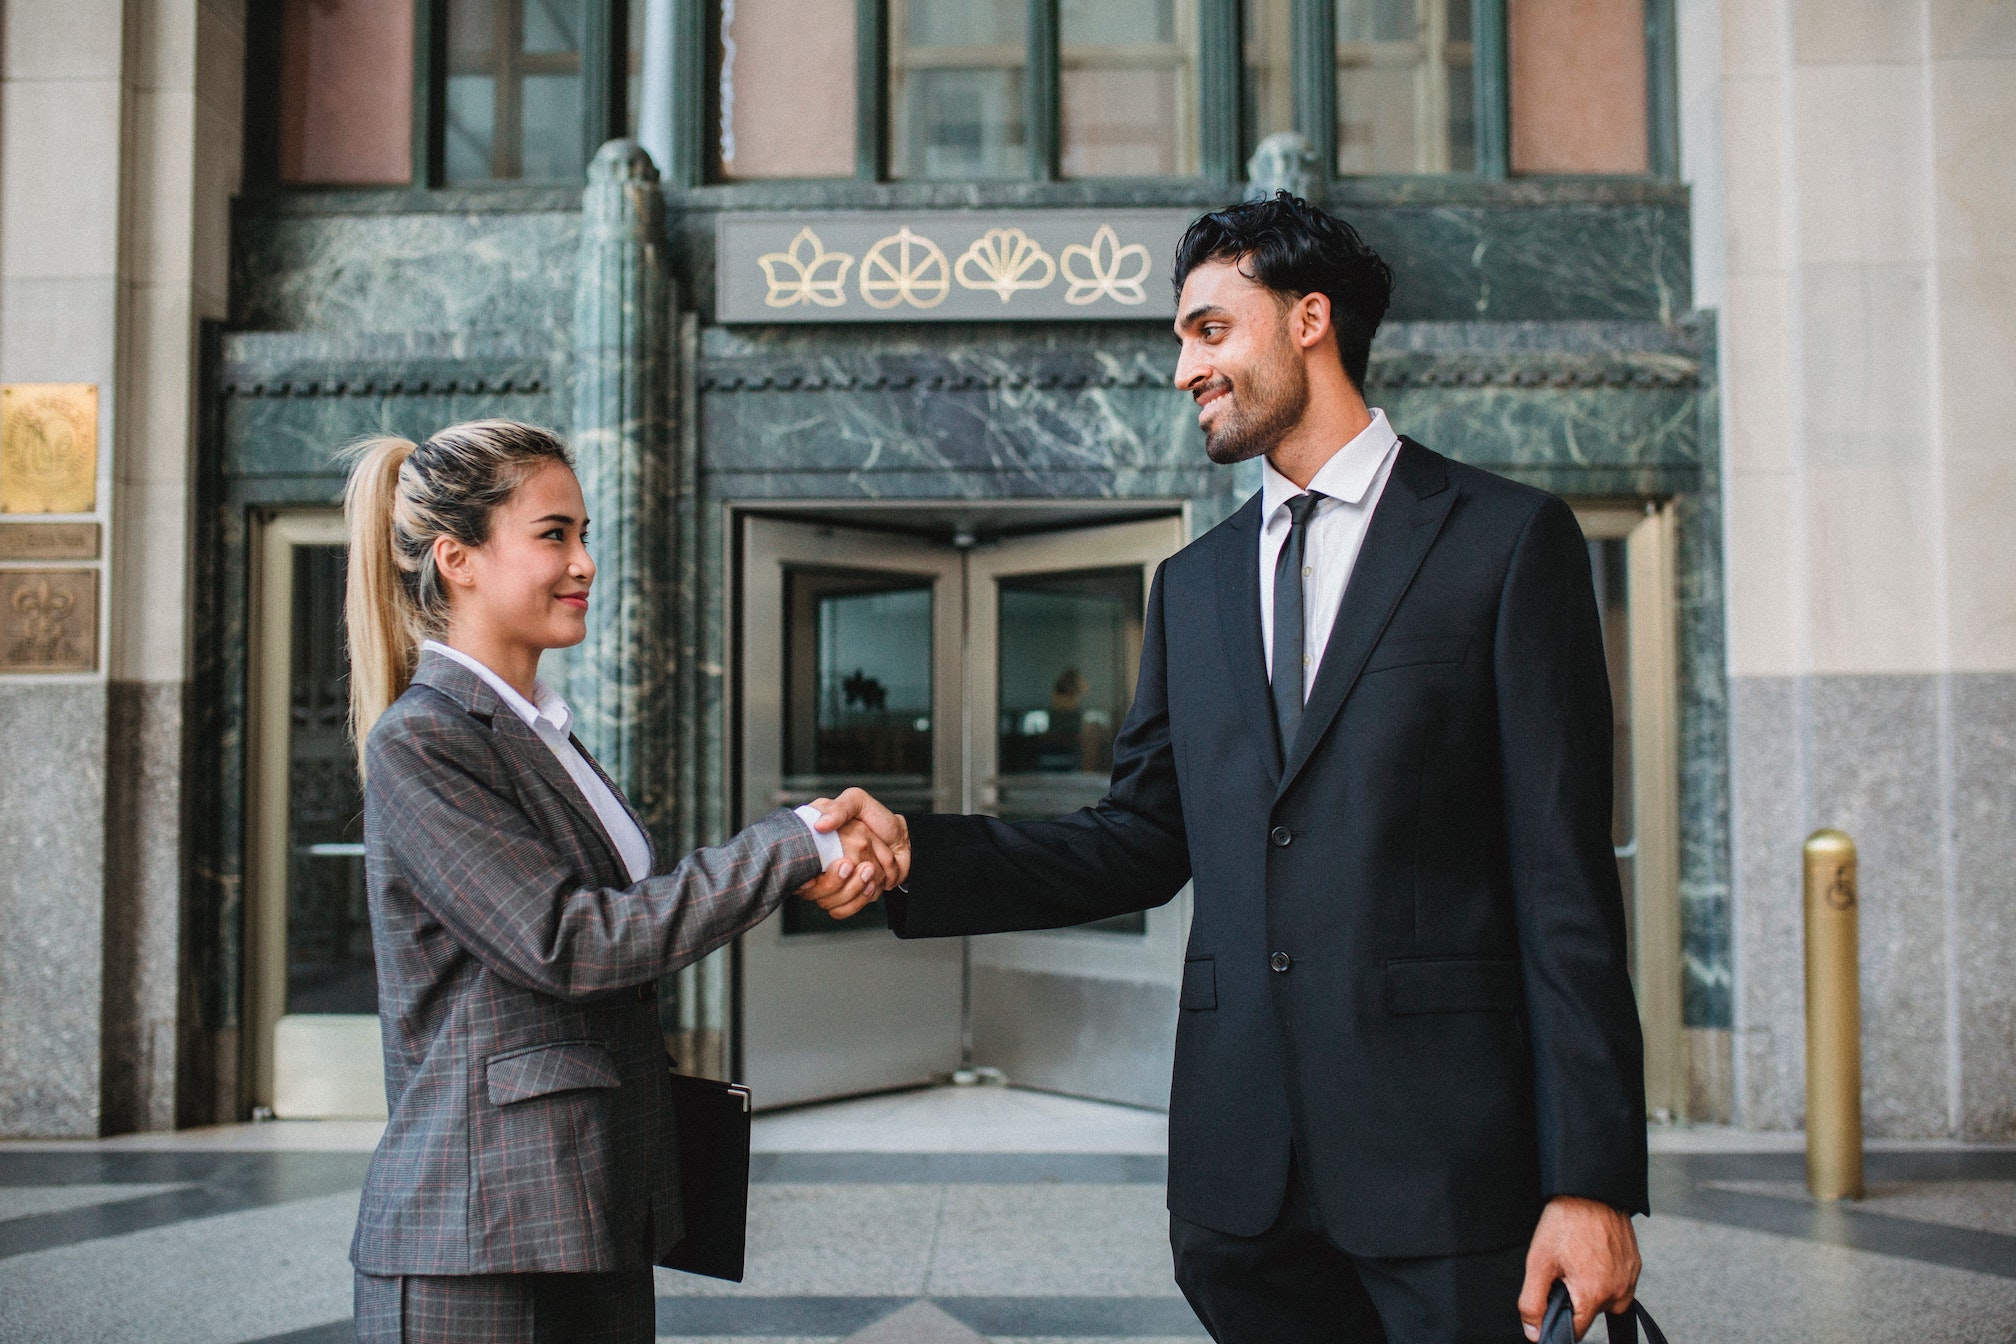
(547, 715)
(1353, 479)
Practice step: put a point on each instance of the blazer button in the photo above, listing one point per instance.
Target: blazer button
(1281, 836)
(1280, 961)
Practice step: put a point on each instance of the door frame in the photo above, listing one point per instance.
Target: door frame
(352, 1048)
(1646, 527)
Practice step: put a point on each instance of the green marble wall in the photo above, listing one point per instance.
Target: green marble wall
(1539, 329)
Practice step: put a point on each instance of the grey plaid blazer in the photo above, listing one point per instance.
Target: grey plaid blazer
(530, 1120)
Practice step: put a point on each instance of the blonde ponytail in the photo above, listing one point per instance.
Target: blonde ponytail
(401, 497)
(384, 625)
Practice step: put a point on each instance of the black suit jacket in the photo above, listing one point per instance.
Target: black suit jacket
(1453, 1039)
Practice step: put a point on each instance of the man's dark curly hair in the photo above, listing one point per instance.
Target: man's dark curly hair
(1293, 248)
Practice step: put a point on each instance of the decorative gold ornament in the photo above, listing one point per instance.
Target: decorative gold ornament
(1005, 257)
(917, 273)
(48, 447)
(48, 620)
(806, 273)
(1105, 259)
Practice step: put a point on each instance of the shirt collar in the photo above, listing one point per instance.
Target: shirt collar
(1347, 476)
(546, 710)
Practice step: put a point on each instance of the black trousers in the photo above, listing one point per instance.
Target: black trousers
(618, 1308)
(1291, 1285)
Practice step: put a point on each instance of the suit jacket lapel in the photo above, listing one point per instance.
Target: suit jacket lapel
(1404, 525)
(1237, 594)
(525, 748)
(622, 801)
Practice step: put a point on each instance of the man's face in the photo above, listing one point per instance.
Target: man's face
(1239, 362)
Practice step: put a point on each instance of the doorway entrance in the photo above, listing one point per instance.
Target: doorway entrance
(962, 675)
(313, 1049)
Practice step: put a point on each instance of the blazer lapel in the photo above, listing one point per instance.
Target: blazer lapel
(1237, 594)
(520, 744)
(622, 801)
(1404, 525)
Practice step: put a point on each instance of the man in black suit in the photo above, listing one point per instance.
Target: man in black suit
(1372, 726)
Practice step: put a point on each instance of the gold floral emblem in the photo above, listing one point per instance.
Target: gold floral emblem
(806, 273)
(1005, 257)
(907, 268)
(1105, 259)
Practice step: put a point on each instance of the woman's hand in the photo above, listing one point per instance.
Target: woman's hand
(855, 881)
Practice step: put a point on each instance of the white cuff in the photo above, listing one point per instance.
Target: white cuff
(830, 850)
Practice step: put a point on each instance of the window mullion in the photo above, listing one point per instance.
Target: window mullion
(871, 90)
(1314, 47)
(1494, 122)
(1041, 85)
(1662, 99)
(605, 74)
(1220, 90)
(430, 93)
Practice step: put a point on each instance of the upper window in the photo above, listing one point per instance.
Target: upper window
(946, 90)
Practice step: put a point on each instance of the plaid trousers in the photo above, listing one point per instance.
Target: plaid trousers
(614, 1308)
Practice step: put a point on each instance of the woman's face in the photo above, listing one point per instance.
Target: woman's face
(528, 584)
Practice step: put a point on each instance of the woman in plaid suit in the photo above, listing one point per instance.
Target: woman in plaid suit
(526, 1182)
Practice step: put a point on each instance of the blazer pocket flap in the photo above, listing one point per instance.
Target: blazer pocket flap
(1452, 985)
(1413, 652)
(542, 1070)
(1200, 984)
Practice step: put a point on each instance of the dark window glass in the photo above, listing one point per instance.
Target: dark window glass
(1070, 647)
(329, 964)
(857, 705)
(514, 90)
(1127, 87)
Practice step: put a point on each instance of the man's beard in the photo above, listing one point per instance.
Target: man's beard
(1260, 415)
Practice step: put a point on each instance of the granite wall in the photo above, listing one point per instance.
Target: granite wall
(1917, 769)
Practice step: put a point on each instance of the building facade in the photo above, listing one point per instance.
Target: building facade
(856, 312)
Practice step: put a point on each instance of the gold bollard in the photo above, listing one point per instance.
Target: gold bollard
(1833, 1020)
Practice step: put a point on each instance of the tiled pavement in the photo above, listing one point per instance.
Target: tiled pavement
(963, 1215)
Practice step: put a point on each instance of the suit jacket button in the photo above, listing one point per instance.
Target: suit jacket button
(1281, 836)
(1280, 961)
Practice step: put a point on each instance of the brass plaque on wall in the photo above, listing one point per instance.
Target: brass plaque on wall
(48, 447)
(48, 620)
(48, 541)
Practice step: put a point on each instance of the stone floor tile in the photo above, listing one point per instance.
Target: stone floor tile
(1981, 1206)
(831, 1240)
(1036, 1240)
(25, 1201)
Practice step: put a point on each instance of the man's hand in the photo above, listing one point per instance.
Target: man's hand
(855, 806)
(1593, 1248)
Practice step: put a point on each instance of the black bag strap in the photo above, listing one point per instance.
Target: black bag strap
(1558, 1325)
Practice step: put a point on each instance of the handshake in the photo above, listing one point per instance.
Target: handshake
(877, 854)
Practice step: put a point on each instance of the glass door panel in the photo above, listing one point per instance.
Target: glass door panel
(850, 662)
(313, 986)
(1053, 647)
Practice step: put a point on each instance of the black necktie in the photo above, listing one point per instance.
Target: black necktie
(1290, 659)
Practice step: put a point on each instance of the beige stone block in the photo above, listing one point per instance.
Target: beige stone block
(1765, 582)
(162, 144)
(1864, 359)
(220, 58)
(1756, 375)
(1977, 359)
(1848, 31)
(1980, 560)
(1973, 28)
(160, 382)
(59, 331)
(1753, 156)
(1974, 168)
(164, 45)
(148, 582)
(59, 179)
(1862, 163)
(1752, 38)
(1872, 562)
(218, 158)
(64, 40)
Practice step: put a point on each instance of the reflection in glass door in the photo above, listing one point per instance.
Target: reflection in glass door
(314, 1047)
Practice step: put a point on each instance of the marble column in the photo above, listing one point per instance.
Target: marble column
(619, 680)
